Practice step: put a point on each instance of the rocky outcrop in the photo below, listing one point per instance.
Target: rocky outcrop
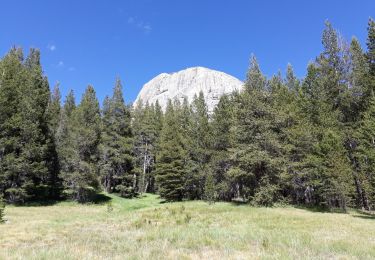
(187, 83)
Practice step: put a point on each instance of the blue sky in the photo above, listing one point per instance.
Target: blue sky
(92, 42)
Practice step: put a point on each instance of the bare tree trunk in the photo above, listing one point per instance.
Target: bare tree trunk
(146, 186)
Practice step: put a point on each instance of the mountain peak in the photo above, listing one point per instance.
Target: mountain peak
(187, 83)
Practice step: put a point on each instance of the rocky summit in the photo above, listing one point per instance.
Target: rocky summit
(188, 83)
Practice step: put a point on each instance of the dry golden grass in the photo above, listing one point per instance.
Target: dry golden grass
(145, 229)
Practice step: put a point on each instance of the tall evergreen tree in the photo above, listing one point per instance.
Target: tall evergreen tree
(291, 80)
(256, 151)
(54, 109)
(222, 120)
(28, 161)
(146, 127)
(82, 181)
(198, 147)
(64, 136)
(333, 66)
(324, 169)
(117, 160)
(170, 166)
(12, 79)
(364, 155)
(371, 48)
(254, 77)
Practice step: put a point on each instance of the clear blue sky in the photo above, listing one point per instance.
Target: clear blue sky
(91, 42)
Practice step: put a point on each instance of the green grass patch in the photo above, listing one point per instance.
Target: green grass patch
(145, 228)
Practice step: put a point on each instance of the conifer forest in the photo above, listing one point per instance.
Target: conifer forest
(281, 142)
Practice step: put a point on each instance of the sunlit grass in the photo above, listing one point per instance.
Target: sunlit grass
(144, 228)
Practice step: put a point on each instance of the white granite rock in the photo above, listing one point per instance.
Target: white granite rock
(187, 83)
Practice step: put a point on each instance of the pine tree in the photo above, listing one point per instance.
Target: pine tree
(371, 48)
(170, 166)
(81, 181)
(222, 120)
(358, 98)
(54, 109)
(28, 157)
(11, 80)
(146, 127)
(184, 114)
(324, 167)
(284, 97)
(157, 121)
(64, 137)
(291, 80)
(54, 117)
(359, 93)
(256, 150)
(254, 77)
(69, 105)
(39, 151)
(331, 64)
(117, 161)
(198, 147)
(364, 155)
(300, 140)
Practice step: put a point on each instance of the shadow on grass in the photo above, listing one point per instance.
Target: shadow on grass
(239, 203)
(321, 209)
(171, 201)
(364, 214)
(37, 203)
(101, 199)
(97, 199)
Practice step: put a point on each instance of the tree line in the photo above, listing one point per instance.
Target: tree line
(307, 141)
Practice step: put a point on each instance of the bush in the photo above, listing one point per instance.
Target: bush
(16, 195)
(85, 194)
(266, 195)
(125, 191)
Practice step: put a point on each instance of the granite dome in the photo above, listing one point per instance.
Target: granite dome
(187, 83)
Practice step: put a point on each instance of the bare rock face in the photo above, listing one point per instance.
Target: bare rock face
(187, 83)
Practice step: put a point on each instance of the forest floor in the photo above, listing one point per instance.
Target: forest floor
(145, 228)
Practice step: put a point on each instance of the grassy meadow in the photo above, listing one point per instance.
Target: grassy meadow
(145, 228)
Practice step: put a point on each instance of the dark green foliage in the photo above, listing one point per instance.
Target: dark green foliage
(117, 160)
(323, 170)
(197, 144)
(147, 124)
(210, 189)
(28, 161)
(64, 137)
(254, 78)
(364, 155)
(308, 141)
(170, 166)
(81, 178)
(327, 171)
(256, 149)
(332, 67)
(291, 80)
(54, 109)
(220, 158)
(371, 47)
